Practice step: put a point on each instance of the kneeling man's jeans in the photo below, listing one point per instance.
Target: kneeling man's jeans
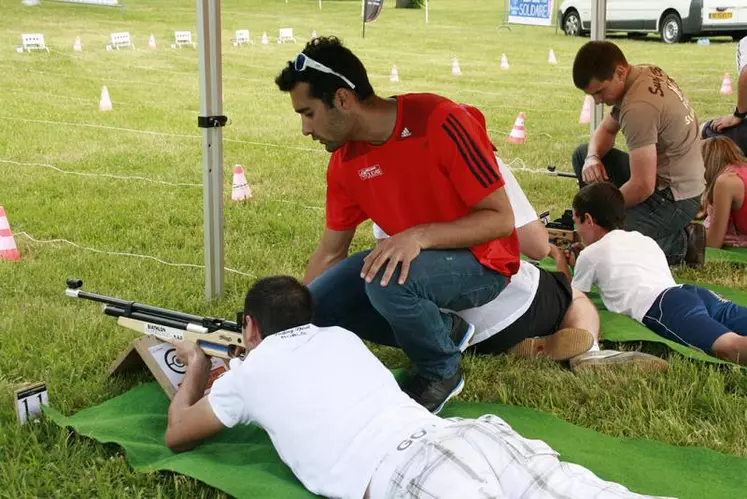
(407, 316)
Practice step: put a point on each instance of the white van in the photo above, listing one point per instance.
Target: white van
(676, 20)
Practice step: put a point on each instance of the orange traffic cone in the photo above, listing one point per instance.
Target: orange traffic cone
(726, 85)
(240, 190)
(518, 134)
(8, 249)
(585, 117)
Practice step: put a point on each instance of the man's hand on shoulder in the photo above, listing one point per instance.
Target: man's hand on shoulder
(400, 249)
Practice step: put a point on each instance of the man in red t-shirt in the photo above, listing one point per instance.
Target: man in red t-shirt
(423, 169)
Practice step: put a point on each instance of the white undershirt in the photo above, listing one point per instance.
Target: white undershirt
(629, 269)
(330, 407)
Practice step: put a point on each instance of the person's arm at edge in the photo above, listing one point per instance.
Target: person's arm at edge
(723, 196)
(642, 180)
(191, 419)
(603, 138)
(491, 218)
(333, 248)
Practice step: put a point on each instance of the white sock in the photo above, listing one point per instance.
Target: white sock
(594, 347)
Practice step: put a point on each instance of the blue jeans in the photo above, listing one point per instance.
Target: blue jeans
(659, 217)
(407, 316)
(694, 316)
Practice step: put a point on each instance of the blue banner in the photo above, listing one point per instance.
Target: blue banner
(538, 12)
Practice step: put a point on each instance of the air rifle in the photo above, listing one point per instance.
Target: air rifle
(561, 230)
(216, 337)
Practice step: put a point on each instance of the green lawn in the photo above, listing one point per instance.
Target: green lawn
(49, 117)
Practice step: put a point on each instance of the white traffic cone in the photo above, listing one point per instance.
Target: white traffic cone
(585, 117)
(726, 85)
(152, 41)
(395, 74)
(105, 104)
(8, 249)
(240, 189)
(518, 133)
(77, 46)
(265, 40)
(551, 57)
(455, 69)
(313, 34)
(504, 61)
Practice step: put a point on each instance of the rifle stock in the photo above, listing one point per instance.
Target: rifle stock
(216, 337)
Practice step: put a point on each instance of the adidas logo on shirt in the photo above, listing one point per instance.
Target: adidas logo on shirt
(405, 133)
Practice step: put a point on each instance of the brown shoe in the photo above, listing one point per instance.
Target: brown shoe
(561, 345)
(696, 243)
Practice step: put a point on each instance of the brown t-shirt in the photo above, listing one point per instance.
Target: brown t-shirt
(655, 111)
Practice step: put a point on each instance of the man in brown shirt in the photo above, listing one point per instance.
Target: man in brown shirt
(662, 176)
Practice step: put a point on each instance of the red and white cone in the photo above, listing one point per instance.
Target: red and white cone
(504, 61)
(585, 117)
(518, 133)
(240, 190)
(8, 248)
(105, 104)
(726, 85)
(395, 74)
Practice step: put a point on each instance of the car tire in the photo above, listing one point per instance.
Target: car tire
(572, 23)
(671, 28)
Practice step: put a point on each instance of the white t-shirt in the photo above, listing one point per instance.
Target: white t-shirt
(330, 407)
(741, 54)
(629, 269)
(515, 299)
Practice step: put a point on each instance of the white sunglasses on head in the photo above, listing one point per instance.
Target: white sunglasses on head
(303, 61)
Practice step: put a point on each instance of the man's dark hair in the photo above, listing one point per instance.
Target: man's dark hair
(330, 52)
(277, 303)
(604, 202)
(597, 59)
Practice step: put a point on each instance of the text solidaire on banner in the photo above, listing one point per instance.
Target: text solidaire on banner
(537, 12)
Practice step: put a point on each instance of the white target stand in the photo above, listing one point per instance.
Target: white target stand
(160, 359)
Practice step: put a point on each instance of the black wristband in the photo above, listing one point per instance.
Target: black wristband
(739, 115)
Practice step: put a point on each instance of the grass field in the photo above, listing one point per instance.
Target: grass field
(49, 118)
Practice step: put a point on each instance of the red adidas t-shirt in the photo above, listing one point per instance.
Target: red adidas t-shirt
(438, 163)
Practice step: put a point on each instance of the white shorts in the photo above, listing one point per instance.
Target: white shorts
(483, 458)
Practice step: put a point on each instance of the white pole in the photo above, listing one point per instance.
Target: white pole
(426, 11)
(320, 4)
(211, 104)
(363, 8)
(598, 23)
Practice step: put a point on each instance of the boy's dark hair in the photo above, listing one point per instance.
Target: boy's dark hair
(597, 59)
(330, 52)
(277, 303)
(604, 202)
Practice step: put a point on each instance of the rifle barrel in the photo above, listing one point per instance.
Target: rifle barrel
(133, 309)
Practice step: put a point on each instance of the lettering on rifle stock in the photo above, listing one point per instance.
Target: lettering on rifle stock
(163, 332)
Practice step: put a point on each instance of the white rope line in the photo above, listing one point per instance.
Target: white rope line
(105, 175)
(120, 253)
(524, 168)
(160, 134)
